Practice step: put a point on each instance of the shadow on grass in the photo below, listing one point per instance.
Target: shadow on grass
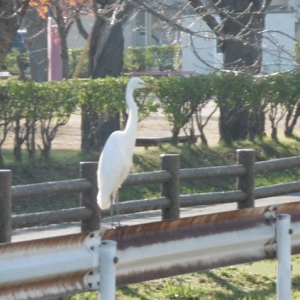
(295, 138)
(235, 292)
(127, 291)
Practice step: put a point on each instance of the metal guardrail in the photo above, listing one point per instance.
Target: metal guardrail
(70, 264)
(169, 202)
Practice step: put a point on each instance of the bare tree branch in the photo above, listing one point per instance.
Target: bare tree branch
(169, 21)
(81, 29)
(206, 14)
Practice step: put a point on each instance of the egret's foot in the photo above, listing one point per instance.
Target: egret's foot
(118, 226)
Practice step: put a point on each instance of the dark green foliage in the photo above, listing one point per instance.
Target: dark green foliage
(161, 58)
(74, 57)
(166, 57)
(32, 108)
(16, 63)
(39, 107)
(134, 59)
(180, 98)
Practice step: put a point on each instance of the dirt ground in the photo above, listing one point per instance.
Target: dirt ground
(155, 125)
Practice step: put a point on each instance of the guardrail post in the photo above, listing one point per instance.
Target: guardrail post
(171, 189)
(89, 198)
(108, 262)
(283, 249)
(5, 206)
(245, 183)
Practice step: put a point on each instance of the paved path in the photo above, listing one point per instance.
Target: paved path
(139, 218)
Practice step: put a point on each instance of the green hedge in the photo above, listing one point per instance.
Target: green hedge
(166, 57)
(37, 110)
(161, 58)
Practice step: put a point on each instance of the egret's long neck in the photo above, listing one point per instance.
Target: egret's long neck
(131, 126)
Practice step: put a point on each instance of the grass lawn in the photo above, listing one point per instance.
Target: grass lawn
(247, 281)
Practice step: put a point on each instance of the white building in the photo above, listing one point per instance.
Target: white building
(278, 42)
(202, 51)
(281, 30)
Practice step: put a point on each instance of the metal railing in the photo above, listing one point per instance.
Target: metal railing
(52, 267)
(170, 201)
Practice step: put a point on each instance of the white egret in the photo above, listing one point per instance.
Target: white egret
(116, 158)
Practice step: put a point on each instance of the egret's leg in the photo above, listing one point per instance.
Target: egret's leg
(112, 213)
(117, 208)
(115, 200)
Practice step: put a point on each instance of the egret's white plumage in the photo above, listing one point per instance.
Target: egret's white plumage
(116, 158)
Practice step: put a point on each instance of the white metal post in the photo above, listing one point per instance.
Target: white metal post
(108, 270)
(283, 241)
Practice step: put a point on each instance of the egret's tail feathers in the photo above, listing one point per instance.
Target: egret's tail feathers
(103, 203)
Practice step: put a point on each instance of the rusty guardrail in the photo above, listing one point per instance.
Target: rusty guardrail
(70, 264)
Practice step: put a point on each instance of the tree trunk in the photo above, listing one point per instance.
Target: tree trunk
(37, 45)
(203, 138)
(110, 61)
(175, 134)
(1, 160)
(240, 39)
(105, 59)
(30, 141)
(21, 131)
(62, 31)
(94, 138)
(242, 44)
(256, 122)
(274, 133)
(107, 63)
(291, 120)
(18, 141)
(64, 56)
(242, 54)
(9, 24)
(233, 122)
